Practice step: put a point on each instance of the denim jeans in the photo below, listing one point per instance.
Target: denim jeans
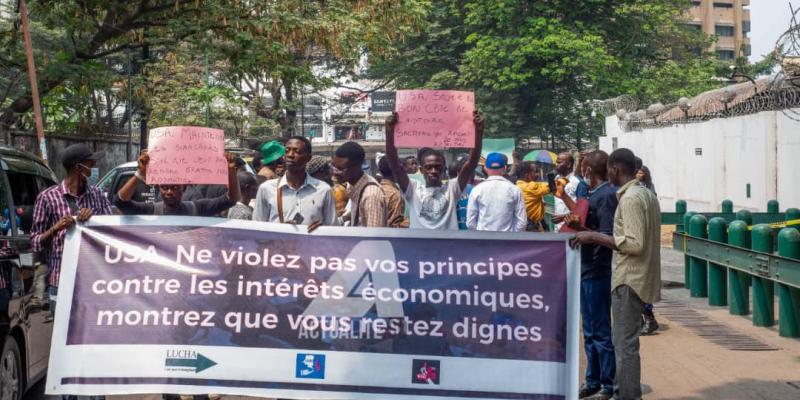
(597, 343)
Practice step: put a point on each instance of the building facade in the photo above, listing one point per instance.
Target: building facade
(729, 20)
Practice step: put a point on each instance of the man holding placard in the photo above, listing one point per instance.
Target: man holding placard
(172, 194)
(434, 119)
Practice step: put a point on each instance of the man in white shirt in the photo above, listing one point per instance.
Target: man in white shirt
(564, 166)
(496, 204)
(432, 205)
(296, 198)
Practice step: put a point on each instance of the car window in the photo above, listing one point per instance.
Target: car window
(5, 212)
(24, 189)
(105, 184)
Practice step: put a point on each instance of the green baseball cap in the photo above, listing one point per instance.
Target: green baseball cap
(272, 151)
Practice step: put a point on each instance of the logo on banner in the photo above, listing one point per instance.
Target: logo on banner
(187, 361)
(425, 371)
(310, 366)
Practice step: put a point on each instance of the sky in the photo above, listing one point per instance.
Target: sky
(769, 19)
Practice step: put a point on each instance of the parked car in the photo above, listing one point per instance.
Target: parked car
(112, 182)
(25, 327)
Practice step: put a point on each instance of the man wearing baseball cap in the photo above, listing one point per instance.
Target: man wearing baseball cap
(58, 207)
(496, 204)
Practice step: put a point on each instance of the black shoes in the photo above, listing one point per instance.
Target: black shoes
(587, 391)
(603, 394)
(650, 325)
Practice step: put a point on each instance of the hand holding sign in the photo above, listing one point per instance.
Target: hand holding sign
(186, 155)
(436, 118)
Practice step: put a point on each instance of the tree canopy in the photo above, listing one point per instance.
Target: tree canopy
(536, 66)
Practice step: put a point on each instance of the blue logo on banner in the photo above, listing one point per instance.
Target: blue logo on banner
(310, 366)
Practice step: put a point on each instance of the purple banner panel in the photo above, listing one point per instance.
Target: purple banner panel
(214, 286)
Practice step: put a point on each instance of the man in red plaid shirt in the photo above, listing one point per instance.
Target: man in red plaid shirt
(57, 208)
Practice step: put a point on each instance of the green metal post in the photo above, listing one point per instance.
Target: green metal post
(745, 215)
(698, 268)
(793, 214)
(789, 297)
(763, 289)
(773, 206)
(717, 285)
(680, 209)
(727, 207)
(739, 281)
(686, 276)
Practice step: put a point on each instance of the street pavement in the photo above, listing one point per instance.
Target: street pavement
(678, 364)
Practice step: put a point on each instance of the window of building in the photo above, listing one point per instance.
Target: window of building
(746, 50)
(723, 30)
(696, 3)
(723, 5)
(745, 27)
(726, 54)
(694, 27)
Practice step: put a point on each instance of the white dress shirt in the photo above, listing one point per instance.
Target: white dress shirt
(496, 205)
(312, 202)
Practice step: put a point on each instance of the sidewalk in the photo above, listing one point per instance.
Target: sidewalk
(677, 363)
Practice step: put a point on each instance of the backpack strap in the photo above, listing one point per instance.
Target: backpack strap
(355, 214)
(280, 202)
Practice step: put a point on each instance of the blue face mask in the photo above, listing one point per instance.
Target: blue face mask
(93, 177)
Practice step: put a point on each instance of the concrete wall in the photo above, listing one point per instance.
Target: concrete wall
(708, 162)
(115, 149)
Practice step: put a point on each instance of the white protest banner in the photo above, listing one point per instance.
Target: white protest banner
(204, 305)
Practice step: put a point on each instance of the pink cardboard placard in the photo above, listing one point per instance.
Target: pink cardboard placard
(183, 155)
(435, 118)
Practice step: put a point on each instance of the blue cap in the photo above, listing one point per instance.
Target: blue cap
(495, 161)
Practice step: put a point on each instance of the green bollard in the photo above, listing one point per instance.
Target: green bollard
(739, 281)
(789, 297)
(773, 206)
(686, 277)
(745, 215)
(680, 209)
(727, 207)
(763, 288)
(717, 285)
(698, 268)
(793, 214)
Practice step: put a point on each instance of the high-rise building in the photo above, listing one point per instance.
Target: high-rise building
(729, 20)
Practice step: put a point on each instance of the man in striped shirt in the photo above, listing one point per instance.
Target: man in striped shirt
(58, 207)
(367, 201)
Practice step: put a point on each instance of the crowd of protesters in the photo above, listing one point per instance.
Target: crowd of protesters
(606, 200)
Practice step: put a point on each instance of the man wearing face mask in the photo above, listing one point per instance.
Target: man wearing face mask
(57, 208)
